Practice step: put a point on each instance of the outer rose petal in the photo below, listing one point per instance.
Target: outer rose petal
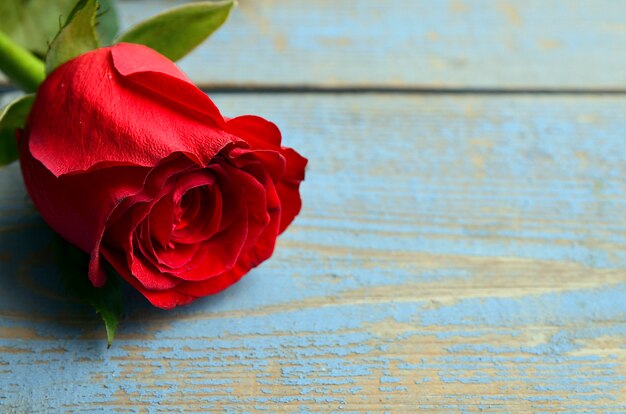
(63, 205)
(258, 132)
(144, 67)
(262, 134)
(165, 299)
(105, 108)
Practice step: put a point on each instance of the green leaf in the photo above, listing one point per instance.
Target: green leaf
(107, 22)
(33, 24)
(77, 36)
(177, 31)
(106, 300)
(12, 117)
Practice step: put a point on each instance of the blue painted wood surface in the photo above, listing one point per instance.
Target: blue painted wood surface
(455, 253)
(411, 43)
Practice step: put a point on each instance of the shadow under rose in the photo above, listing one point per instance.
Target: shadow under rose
(30, 284)
(32, 293)
(33, 301)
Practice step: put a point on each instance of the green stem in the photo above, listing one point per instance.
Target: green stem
(20, 66)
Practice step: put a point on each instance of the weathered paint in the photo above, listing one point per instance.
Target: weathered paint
(454, 254)
(411, 43)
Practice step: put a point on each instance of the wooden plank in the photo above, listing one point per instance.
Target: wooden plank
(454, 254)
(408, 43)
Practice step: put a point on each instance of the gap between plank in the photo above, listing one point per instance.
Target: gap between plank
(403, 90)
(392, 90)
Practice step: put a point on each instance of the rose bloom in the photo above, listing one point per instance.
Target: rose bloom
(128, 160)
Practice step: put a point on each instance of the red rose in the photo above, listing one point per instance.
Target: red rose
(129, 161)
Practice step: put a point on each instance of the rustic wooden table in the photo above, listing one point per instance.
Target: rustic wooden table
(462, 246)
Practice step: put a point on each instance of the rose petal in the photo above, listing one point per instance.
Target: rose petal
(295, 166)
(90, 113)
(142, 66)
(258, 132)
(218, 254)
(132, 211)
(225, 248)
(203, 221)
(262, 134)
(273, 161)
(164, 299)
(155, 180)
(255, 199)
(62, 203)
(120, 240)
(262, 250)
(170, 258)
(161, 221)
(290, 201)
(213, 285)
(264, 246)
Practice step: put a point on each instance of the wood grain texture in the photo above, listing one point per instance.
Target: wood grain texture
(454, 254)
(578, 44)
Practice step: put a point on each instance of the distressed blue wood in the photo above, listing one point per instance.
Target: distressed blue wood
(454, 254)
(515, 44)
(398, 43)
